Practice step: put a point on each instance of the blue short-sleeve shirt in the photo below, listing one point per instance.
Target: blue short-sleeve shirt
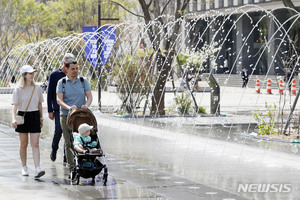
(73, 93)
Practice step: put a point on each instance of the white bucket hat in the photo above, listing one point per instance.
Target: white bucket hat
(84, 128)
(26, 69)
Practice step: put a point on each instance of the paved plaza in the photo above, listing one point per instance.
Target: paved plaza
(158, 159)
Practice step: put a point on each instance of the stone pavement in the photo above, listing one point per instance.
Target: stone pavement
(233, 100)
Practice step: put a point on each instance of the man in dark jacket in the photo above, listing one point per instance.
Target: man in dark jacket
(53, 107)
(245, 76)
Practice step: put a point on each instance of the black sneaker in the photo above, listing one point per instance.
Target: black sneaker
(53, 155)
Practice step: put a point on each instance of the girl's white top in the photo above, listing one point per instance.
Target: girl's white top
(21, 97)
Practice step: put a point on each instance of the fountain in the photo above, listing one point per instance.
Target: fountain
(132, 76)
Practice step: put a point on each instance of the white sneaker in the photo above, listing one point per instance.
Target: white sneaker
(39, 172)
(25, 171)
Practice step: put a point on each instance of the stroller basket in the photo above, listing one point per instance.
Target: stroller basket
(88, 166)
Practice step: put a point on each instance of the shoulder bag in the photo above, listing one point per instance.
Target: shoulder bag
(19, 118)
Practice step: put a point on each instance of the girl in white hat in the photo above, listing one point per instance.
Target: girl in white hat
(27, 117)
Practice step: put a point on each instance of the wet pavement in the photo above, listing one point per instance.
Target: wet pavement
(127, 179)
(155, 159)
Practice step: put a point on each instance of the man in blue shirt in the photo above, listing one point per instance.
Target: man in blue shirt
(72, 93)
(53, 107)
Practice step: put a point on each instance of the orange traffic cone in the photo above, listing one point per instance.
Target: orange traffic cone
(257, 87)
(269, 90)
(281, 86)
(293, 89)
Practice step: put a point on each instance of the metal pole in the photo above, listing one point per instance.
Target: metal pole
(291, 113)
(99, 57)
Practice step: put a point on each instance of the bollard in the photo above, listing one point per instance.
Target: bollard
(293, 89)
(281, 86)
(269, 90)
(257, 86)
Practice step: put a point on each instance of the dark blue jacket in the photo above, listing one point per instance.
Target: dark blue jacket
(51, 94)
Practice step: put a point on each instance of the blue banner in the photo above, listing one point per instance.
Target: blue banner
(108, 38)
(91, 44)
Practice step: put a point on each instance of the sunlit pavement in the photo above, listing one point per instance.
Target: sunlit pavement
(127, 179)
(149, 161)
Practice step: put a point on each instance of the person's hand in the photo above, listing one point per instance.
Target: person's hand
(14, 124)
(73, 107)
(42, 122)
(85, 151)
(84, 107)
(51, 115)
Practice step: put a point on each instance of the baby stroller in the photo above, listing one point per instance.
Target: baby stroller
(87, 165)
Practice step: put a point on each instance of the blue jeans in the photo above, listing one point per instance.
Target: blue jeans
(57, 131)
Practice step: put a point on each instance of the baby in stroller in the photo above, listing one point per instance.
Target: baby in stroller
(83, 142)
(88, 156)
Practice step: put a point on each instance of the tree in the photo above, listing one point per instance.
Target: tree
(11, 30)
(156, 15)
(132, 81)
(295, 34)
(163, 42)
(23, 21)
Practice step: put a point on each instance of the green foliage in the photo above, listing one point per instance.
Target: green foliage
(26, 21)
(36, 18)
(183, 58)
(183, 103)
(201, 110)
(94, 84)
(143, 53)
(133, 79)
(266, 121)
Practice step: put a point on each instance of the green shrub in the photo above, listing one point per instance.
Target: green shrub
(183, 103)
(201, 110)
(266, 121)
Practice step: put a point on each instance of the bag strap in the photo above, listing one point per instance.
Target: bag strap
(29, 100)
(85, 144)
(64, 80)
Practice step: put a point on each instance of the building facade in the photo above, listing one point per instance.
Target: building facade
(257, 34)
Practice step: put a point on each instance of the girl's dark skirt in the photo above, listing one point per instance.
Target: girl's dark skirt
(32, 123)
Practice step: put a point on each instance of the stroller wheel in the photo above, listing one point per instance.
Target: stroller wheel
(77, 179)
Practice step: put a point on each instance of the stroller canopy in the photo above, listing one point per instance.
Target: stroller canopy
(78, 116)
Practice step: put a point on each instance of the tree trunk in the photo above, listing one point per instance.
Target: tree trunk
(158, 98)
(163, 61)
